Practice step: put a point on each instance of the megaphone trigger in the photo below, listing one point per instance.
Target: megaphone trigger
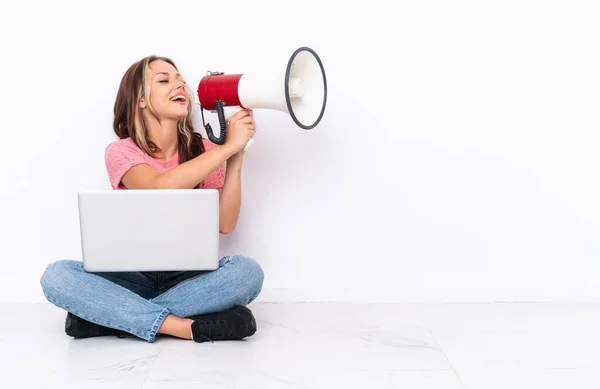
(228, 113)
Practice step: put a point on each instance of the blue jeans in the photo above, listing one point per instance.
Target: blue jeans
(138, 302)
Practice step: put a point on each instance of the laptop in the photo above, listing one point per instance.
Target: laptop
(149, 229)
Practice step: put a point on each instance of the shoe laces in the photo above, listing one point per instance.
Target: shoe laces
(213, 329)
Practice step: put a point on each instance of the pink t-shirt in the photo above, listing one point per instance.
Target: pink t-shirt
(122, 155)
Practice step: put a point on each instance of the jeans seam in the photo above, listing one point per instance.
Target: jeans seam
(157, 323)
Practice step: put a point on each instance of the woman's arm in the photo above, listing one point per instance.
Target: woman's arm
(185, 176)
(231, 194)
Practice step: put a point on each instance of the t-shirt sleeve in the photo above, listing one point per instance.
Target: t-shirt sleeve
(216, 179)
(119, 158)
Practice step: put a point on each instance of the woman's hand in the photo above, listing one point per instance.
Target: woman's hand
(240, 129)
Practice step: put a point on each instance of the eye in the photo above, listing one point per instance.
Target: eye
(164, 81)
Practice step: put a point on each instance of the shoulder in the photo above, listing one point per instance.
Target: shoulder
(120, 156)
(126, 144)
(123, 152)
(123, 149)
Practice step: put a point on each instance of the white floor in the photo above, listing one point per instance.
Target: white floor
(418, 346)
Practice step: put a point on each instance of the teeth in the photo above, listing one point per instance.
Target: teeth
(182, 98)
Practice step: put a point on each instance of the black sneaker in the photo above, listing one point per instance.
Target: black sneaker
(234, 324)
(80, 328)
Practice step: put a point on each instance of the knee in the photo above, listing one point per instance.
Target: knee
(251, 274)
(56, 275)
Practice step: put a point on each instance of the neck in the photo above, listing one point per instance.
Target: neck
(164, 135)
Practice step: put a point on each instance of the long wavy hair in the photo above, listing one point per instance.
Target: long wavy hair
(129, 123)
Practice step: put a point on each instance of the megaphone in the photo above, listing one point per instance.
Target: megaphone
(300, 90)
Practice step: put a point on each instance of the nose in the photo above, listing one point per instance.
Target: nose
(179, 84)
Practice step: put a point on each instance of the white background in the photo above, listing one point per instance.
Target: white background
(457, 159)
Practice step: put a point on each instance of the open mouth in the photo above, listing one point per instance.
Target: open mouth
(179, 99)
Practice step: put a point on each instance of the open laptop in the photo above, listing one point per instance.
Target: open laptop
(149, 230)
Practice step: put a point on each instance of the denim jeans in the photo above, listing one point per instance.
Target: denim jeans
(138, 302)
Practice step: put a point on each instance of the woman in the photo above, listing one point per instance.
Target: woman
(158, 149)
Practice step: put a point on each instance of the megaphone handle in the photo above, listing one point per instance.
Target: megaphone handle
(228, 112)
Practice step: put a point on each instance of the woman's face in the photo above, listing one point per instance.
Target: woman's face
(168, 95)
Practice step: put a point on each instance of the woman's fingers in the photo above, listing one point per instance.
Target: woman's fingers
(246, 120)
(239, 115)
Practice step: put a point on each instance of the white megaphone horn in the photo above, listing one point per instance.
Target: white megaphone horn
(299, 90)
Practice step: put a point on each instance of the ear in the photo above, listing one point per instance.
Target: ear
(143, 103)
